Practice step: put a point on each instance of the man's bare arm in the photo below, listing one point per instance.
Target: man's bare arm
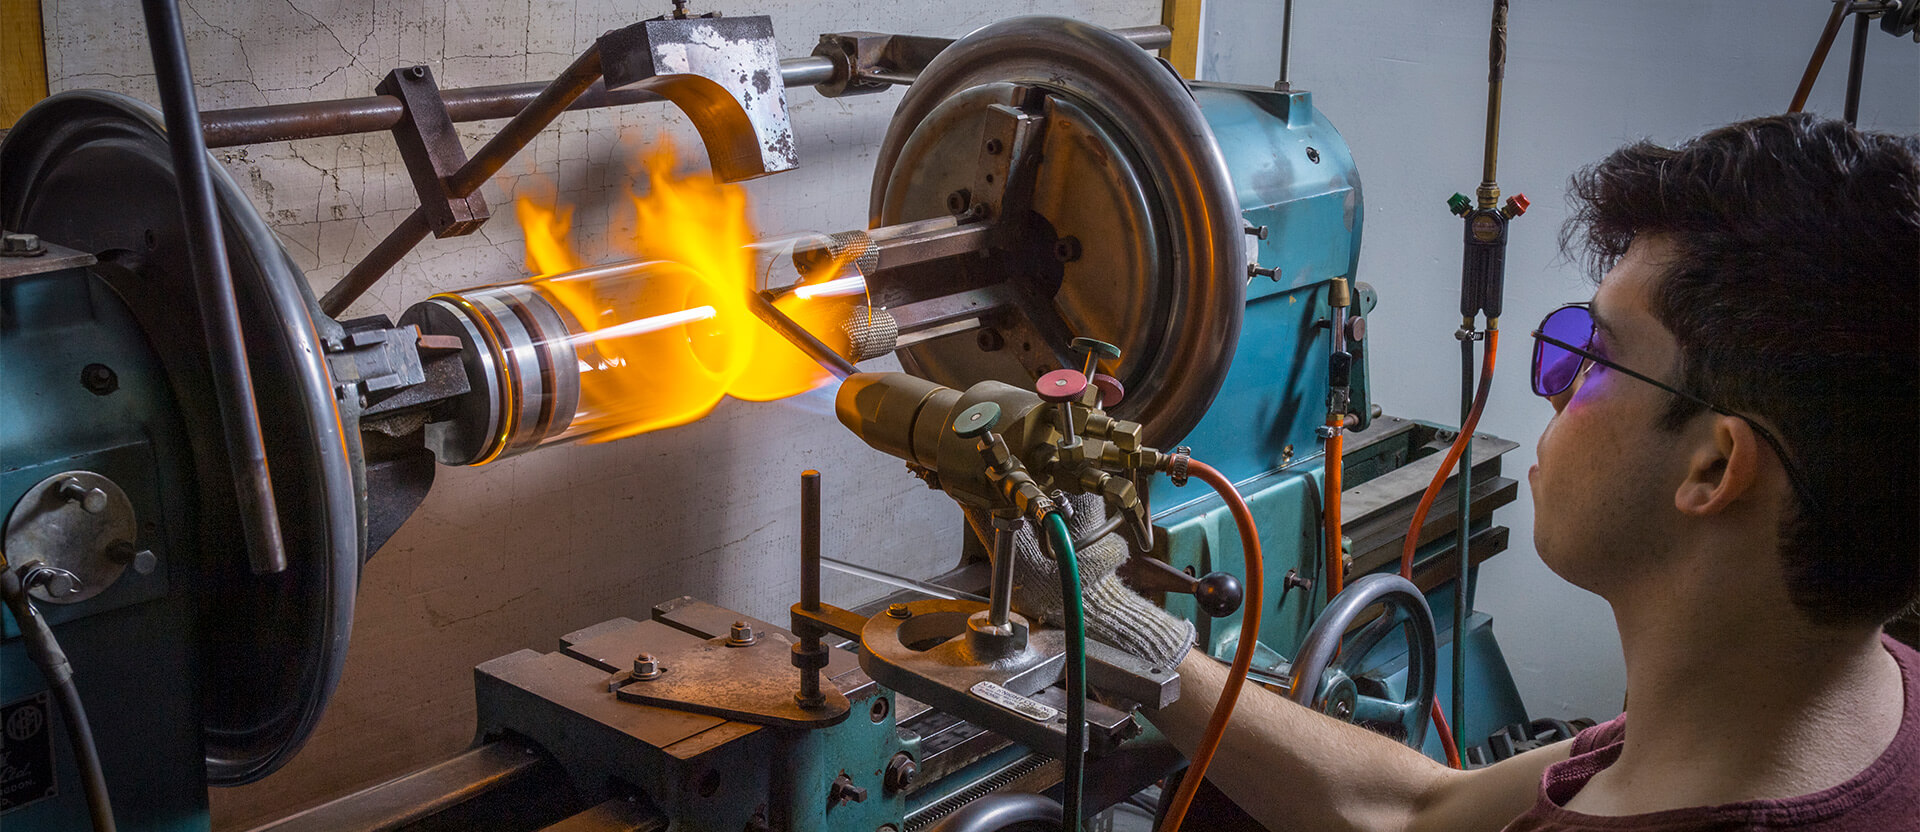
(1294, 768)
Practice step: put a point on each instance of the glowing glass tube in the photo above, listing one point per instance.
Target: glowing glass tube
(610, 351)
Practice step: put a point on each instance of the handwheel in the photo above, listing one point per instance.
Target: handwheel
(1324, 670)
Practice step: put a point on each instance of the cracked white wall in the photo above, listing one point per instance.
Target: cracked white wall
(520, 552)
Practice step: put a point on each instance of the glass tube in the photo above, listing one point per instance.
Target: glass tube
(610, 351)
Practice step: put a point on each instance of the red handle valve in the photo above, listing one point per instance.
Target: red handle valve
(1516, 205)
(1110, 390)
(1061, 386)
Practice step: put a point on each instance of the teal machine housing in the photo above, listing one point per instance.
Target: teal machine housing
(1300, 196)
(57, 323)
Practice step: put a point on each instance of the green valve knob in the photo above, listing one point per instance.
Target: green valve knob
(977, 420)
(1096, 347)
(1459, 204)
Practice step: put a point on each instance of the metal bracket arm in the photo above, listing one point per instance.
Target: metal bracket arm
(430, 146)
(841, 622)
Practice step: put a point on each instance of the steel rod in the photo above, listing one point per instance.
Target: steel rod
(1286, 48)
(807, 654)
(1855, 68)
(1819, 58)
(369, 270)
(519, 132)
(1000, 593)
(810, 540)
(835, 363)
(213, 291)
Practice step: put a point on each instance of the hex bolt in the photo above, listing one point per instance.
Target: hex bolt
(1313, 155)
(1258, 232)
(18, 244)
(843, 790)
(646, 667)
(92, 500)
(899, 611)
(994, 146)
(58, 582)
(123, 553)
(1066, 249)
(901, 771)
(99, 379)
(742, 635)
(959, 201)
(417, 71)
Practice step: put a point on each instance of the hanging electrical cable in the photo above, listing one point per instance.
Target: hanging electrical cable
(1243, 654)
(46, 653)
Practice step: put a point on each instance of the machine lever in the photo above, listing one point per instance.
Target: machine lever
(1217, 593)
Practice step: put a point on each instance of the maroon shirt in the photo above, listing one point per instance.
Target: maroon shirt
(1883, 798)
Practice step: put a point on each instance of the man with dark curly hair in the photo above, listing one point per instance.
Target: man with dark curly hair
(1732, 466)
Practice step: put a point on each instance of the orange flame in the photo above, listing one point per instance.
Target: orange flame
(697, 234)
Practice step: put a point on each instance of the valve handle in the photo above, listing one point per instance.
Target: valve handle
(1084, 345)
(1111, 392)
(1061, 386)
(977, 420)
(1216, 593)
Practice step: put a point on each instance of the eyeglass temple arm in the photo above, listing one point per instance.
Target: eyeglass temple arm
(1792, 473)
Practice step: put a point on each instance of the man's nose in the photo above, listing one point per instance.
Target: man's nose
(1561, 398)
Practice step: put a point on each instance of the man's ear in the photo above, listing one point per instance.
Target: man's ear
(1724, 468)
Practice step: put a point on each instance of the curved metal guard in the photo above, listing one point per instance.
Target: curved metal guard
(724, 72)
(1320, 674)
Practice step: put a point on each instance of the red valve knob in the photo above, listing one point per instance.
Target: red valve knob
(1516, 205)
(1110, 390)
(1061, 386)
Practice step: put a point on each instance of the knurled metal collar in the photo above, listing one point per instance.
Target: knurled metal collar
(1177, 465)
(858, 248)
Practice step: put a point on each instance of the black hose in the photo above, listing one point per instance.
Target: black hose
(1464, 495)
(46, 653)
(213, 289)
(1856, 66)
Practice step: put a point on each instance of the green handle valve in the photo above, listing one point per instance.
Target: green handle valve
(1094, 350)
(1096, 347)
(1459, 204)
(977, 420)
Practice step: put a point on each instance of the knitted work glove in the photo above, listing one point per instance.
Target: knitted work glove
(1115, 615)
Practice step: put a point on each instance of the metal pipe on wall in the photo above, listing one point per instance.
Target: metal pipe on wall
(377, 113)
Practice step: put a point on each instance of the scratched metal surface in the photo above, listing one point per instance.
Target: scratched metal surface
(519, 553)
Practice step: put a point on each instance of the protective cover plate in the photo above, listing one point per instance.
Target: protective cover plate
(91, 170)
(1131, 170)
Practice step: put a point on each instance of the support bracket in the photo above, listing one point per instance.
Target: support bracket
(430, 146)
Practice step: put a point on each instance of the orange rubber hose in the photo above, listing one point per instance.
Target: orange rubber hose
(1453, 457)
(1336, 565)
(1242, 656)
(1433, 492)
(1446, 734)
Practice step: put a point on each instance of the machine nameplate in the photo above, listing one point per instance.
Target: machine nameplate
(1013, 702)
(26, 752)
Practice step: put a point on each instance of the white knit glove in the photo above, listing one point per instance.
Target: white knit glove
(1115, 615)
